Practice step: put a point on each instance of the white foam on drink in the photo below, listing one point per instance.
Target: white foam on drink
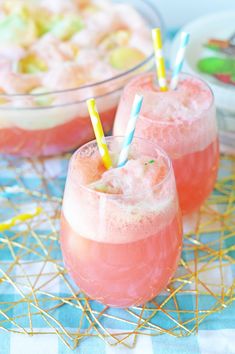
(114, 222)
(184, 104)
(180, 121)
(137, 177)
(141, 209)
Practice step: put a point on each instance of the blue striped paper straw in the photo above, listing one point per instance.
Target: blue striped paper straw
(130, 131)
(184, 40)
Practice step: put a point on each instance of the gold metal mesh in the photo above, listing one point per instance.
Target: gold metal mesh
(36, 295)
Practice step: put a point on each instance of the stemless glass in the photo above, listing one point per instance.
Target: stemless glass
(191, 143)
(121, 250)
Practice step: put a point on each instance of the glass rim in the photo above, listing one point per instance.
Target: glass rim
(91, 85)
(197, 117)
(114, 196)
(62, 105)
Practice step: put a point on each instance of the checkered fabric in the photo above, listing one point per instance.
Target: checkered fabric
(216, 333)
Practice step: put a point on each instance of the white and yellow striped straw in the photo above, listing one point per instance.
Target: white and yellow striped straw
(159, 58)
(99, 134)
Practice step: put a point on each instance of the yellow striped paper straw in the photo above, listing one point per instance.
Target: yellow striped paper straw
(99, 134)
(159, 58)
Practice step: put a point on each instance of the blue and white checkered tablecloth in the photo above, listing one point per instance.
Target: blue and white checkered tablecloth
(216, 334)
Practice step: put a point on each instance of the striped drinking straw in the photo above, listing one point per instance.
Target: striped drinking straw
(99, 134)
(130, 131)
(184, 40)
(159, 58)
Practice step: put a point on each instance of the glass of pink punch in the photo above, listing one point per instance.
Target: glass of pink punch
(183, 123)
(121, 234)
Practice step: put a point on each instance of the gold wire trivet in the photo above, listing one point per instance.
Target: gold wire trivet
(37, 296)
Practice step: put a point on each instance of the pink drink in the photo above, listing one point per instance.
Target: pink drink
(53, 140)
(183, 123)
(121, 233)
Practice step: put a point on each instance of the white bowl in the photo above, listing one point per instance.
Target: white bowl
(221, 26)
